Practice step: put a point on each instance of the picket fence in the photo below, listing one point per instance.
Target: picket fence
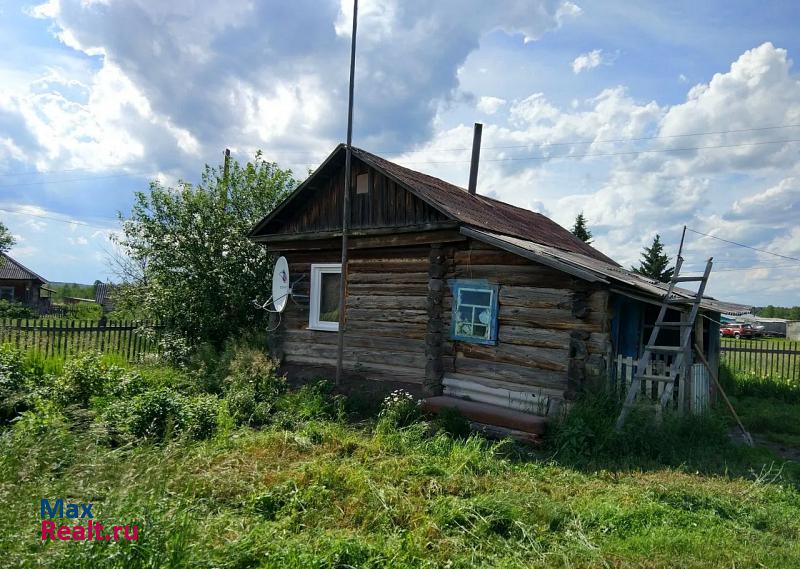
(62, 338)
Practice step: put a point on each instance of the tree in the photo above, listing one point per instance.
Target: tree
(580, 230)
(184, 257)
(655, 263)
(7, 240)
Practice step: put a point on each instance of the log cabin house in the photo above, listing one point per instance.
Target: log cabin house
(464, 299)
(21, 285)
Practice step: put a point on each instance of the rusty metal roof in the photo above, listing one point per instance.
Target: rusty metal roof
(455, 202)
(481, 211)
(596, 270)
(14, 270)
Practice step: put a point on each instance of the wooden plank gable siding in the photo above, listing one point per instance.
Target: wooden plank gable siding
(553, 330)
(386, 315)
(385, 205)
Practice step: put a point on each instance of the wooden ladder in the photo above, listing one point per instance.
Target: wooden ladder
(682, 352)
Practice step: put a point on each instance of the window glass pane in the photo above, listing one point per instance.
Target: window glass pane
(479, 297)
(329, 297)
(6, 293)
(475, 312)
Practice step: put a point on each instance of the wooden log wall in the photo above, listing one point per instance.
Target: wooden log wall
(553, 329)
(387, 304)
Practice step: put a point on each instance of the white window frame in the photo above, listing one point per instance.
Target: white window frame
(317, 270)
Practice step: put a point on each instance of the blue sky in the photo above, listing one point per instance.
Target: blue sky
(97, 98)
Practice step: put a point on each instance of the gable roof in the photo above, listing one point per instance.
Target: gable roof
(458, 204)
(596, 270)
(14, 270)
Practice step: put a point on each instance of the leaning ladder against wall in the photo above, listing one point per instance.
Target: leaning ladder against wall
(682, 352)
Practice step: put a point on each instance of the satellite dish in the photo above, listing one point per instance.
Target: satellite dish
(280, 284)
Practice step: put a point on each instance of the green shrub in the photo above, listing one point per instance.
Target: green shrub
(203, 416)
(252, 386)
(163, 413)
(399, 410)
(157, 414)
(12, 383)
(85, 376)
(15, 310)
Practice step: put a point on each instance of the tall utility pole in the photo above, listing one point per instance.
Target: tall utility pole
(225, 181)
(346, 201)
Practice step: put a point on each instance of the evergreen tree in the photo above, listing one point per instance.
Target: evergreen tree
(655, 263)
(580, 230)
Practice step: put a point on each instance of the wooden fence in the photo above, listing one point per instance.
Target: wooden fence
(61, 338)
(692, 393)
(766, 358)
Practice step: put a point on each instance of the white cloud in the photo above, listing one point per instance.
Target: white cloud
(169, 101)
(748, 194)
(490, 105)
(586, 61)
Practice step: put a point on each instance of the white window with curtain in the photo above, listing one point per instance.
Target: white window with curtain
(326, 279)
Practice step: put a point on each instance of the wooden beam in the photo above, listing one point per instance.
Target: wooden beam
(337, 233)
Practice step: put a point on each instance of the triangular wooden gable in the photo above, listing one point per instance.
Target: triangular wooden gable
(317, 205)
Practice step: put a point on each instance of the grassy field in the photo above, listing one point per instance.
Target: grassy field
(324, 483)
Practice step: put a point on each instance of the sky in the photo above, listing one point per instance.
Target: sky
(644, 116)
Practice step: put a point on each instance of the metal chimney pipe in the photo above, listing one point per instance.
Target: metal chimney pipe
(476, 158)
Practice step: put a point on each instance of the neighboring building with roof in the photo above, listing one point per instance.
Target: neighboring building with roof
(104, 296)
(452, 292)
(20, 284)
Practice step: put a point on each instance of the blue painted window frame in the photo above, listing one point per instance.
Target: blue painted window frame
(457, 287)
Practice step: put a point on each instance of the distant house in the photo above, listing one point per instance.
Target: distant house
(104, 296)
(448, 292)
(20, 284)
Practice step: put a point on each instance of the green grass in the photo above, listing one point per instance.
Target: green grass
(315, 488)
(332, 495)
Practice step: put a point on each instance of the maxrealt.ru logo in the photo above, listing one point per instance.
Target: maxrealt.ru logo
(92, 530)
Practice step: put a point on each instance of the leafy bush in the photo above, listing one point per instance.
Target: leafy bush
(15, 310)
(399, 410)
(162, 413)
(12, 383)
(203, 416)
(85, 376)
(252, 386)
(157, 414)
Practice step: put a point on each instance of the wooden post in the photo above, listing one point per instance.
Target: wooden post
(346, 202)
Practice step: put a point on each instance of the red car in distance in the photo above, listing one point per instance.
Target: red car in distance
(736, 330)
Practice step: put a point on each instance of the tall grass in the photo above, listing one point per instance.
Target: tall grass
(310, 489)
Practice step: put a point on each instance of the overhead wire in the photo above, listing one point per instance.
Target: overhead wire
(501, 147)
(743, 245)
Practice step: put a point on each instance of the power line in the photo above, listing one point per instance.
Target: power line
(606, 140)
(460, 149)
(743, 245)
(42, 182)
(71, 222)
(625, 153)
